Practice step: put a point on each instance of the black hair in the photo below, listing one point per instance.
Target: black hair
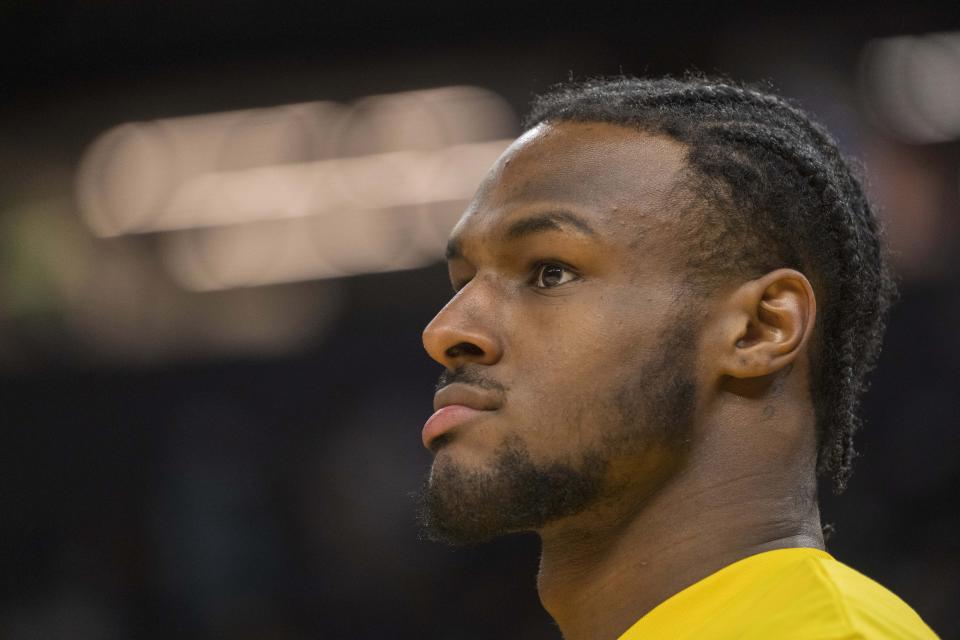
(770, 189)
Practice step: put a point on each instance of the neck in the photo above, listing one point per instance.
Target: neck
(600, 574)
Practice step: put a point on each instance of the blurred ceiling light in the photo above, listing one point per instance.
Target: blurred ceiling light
(418, 120)
(309, 248)
(234, 167)
(129, 172)
(380, 181)
(912, 84)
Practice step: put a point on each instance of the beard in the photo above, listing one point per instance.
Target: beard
(654, 409)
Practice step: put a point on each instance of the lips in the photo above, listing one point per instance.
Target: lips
(455, 405)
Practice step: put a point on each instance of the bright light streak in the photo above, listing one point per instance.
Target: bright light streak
(428, 119)
(289, 161)
(297, 192)
(309, 248)
(912, 84)
(381, 181)
(130, 171)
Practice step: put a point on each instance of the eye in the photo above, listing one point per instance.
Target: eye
(551, 274)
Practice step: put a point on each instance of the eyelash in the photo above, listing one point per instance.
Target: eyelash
(537, 271)
(538, 274)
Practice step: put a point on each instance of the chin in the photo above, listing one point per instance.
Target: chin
(470, 498)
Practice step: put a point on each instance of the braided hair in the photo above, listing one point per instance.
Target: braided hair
(769, 189)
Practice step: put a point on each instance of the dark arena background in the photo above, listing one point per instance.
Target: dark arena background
(221, 228)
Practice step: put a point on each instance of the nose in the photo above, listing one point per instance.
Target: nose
(456, 336)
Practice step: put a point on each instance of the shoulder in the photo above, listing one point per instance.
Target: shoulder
(819, 597)
(788, 594)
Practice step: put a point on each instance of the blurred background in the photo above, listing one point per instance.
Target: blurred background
(220, 235)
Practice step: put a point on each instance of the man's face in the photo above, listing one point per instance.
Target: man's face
(568, 348)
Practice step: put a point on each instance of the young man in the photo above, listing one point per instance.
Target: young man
(667, 296)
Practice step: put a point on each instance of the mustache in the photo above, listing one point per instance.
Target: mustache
(468, 376)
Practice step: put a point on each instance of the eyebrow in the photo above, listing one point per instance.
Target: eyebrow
(549, 221)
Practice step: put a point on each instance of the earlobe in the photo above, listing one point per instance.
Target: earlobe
(769, 322)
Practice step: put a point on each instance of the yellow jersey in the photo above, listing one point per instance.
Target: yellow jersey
(782, 595)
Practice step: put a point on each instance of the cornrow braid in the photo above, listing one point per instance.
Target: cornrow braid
(836, 450)
(777, 192)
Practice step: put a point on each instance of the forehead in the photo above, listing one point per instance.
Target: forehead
(619, 177)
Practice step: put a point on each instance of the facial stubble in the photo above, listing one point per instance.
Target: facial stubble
(652, 409)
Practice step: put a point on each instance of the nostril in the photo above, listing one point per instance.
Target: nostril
(464, 349)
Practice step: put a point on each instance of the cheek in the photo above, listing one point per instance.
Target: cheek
(582, 346)
(571, 361)
(574, 399)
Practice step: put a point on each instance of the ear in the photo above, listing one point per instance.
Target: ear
(766, 324)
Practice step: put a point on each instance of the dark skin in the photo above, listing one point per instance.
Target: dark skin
(567, 278)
